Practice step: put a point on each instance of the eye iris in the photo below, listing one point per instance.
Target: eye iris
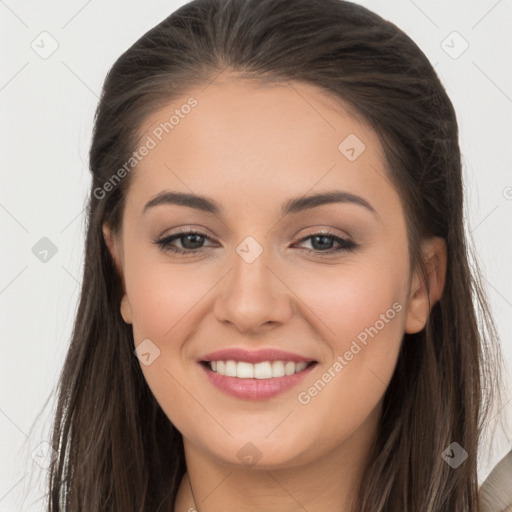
(196, 243)
(323, 238)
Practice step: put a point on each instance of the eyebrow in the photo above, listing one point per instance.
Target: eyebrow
(294, 205)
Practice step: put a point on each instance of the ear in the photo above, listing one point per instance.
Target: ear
(418, 310)
(114, 247)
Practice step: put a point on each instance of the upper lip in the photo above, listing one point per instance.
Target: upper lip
(254, 356)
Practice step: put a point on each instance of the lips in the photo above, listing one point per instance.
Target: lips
(273, 371)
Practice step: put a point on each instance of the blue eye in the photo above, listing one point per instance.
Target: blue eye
(191, 243)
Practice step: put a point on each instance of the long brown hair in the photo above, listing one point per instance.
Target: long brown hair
(117, 451)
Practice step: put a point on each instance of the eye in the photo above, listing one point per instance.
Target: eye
(192, 243)
(322, 243)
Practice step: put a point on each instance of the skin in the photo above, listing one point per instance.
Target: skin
(251, 148)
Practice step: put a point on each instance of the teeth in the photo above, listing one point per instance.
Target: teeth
(230, 369)
(264, 370)
(300, 366)
(289, 368)
(244, 370)
(278, 369)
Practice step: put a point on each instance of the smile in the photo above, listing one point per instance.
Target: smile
(255, 375)
(263, 370)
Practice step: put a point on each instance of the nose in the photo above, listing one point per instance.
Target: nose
(253, 296)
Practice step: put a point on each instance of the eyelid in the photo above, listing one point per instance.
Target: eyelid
(345, 243)
(315, 230)
(187, 228)
(311, 231)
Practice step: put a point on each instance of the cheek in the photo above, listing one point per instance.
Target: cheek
(167, 303)
(349, 299)
(362, 315)
(349, 388)
(163, 295)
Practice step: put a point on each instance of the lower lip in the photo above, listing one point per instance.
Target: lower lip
(255, 389)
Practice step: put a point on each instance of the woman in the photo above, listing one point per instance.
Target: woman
(277, 310)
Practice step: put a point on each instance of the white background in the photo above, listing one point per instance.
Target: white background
(47, 108)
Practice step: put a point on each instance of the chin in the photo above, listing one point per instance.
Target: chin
(259, 452)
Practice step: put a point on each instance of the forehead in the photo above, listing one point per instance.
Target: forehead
(243, 141)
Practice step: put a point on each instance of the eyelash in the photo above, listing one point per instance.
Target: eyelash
(165, 243)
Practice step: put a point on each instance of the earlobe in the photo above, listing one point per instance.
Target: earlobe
(435, 258)
(112, 245)
(126, 310)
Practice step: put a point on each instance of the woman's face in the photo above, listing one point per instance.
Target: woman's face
(268, 268)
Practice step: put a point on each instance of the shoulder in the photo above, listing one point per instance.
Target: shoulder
(496, 490)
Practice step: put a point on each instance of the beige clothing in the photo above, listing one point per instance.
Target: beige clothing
(496, 491)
